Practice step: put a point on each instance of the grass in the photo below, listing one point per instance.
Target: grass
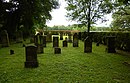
(71, 66)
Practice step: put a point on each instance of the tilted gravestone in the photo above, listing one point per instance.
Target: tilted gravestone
(31, 57)
(55, 41)
(88, 45)
(57, 50)
(110, 44)
(65, 44)
(4, 38)
(69, 37)
(61, 35)
(75, 40)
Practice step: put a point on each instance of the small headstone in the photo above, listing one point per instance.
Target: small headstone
(4, 38)
(40, 49)
(11, 52)
(75, 40)
(57, 50)
(31, 57)
(56, 41)
(88, 45)
(110, 44)
(65, 44)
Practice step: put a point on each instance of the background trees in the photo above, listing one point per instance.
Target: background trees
(21, 15)
(87, 12)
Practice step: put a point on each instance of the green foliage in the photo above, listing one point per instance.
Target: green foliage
(121, 17)
(71, 66)
(87, 12)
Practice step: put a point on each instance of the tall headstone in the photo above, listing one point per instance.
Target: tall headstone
(65, 44)
(110, 44)
(49, 37)
(56, 41)
(4, 38)
(88, 45)
(69, 37)
(75, 40)
(61, 35)
(31, 57)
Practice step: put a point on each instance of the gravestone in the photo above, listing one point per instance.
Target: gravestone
(49, 37)
(61, 35)
(40, 49)
(75, 40)
(4, 38)
(110, 44)
(65, 44)
(44, 41)
(11, 52)
(88, 45)
(31, 57)
(55, 41)
(57, 50)
(36, 40)
(69, 37)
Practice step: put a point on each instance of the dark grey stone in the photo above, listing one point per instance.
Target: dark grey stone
(56, 41)
(88, 45)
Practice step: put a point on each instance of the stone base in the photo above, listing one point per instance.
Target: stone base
(31, 64)
(57, 50)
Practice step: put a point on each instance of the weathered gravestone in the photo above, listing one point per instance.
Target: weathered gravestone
(65, 44)
(110, 44)
(88, 45)
(38, 43)
(75, 40)
(31, 57)
(49, 37)
(61, 35)
(69, 37)
(43, 41)
(4, 38)
(55, 41)
(57, 50)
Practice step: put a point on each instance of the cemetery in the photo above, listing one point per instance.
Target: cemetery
(76, 50)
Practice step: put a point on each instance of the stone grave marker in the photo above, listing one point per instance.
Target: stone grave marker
(31, 57)
(88, 45)
(4, 38)
(61, 35)
(43, 41)
(110, 44)
(55, 41)
(69, 37)
(49, 37)
(75, 40)
(65, 44)
(57, 50)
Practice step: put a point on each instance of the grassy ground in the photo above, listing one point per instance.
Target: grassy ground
(72, 66)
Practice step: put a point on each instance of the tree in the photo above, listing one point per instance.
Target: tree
(88, 11)
(15, 13)
(121, 17)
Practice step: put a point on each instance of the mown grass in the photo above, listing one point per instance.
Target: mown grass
(71, 66)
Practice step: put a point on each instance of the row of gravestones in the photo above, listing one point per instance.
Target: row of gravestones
(31, 51)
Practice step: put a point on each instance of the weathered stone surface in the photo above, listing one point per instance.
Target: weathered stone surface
(110, 44)
(88, 45)
(65, 44)
(31, 57)
(57, 50)
(75, 40)
(56, 41)
(4, 38)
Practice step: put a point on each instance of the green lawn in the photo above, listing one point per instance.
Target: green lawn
(71, 66)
